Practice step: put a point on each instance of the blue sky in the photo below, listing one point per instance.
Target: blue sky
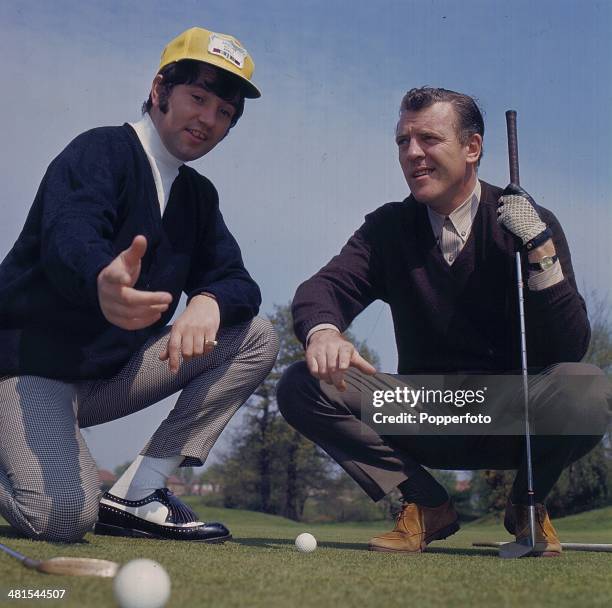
(316, 152)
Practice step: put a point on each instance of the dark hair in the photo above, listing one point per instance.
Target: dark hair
(187, 71)
(466, 108)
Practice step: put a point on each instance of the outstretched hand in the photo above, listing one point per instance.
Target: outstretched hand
(121, 304)
(330, 354)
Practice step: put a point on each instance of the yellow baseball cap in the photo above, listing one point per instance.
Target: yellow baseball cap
(220, 50)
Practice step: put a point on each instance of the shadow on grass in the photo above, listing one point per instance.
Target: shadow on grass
(471, 552)
(8, 533)
(273, 543)
(280, 543)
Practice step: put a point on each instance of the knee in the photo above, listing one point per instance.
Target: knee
(71, 518)
(291, 390)
(584, 393)
(265, 341)
(582, 384)
(63, 516)
(574, 369)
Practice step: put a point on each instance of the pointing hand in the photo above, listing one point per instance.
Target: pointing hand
(121, 304)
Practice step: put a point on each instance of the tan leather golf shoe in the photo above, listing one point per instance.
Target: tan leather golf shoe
(416, 527)
(516, 521)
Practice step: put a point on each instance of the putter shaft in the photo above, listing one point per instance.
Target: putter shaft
(520, 549)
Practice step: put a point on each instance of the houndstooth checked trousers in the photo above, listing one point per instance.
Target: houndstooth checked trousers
(49, 486)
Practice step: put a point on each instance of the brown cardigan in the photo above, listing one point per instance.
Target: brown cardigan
(462, 317)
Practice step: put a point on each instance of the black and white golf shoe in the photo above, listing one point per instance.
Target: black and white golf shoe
(160, 515)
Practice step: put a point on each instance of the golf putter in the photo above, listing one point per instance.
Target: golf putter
(70, 566)
(527, 546)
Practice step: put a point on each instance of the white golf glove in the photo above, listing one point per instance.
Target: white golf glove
(518, 214)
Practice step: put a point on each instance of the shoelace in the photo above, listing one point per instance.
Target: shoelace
(179, 513)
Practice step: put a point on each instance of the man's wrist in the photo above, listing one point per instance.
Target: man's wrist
(543, 279)
(544, 263)
(204, 299)
(546, 249)
(538, 240)
(318, 328)
(204, 294)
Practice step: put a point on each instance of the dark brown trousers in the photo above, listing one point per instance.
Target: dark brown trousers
(378, 463)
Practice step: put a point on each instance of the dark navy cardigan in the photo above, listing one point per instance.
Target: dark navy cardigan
(94, 198)
(462, 317)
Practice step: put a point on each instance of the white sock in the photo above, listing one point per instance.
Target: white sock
(144, 476)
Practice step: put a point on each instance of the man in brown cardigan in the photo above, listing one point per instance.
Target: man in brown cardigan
(443, 259)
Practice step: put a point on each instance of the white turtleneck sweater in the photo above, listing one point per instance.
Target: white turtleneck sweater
(165, 167)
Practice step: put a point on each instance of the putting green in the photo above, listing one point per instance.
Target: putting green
(262, 568)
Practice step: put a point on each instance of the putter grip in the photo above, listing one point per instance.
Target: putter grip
(512, 147)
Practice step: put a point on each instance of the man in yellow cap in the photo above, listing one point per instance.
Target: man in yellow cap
(119, 228)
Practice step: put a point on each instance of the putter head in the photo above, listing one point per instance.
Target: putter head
(78, 566)
(521, 548)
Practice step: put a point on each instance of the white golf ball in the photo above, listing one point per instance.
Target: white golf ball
(142, 583)
(306, 543)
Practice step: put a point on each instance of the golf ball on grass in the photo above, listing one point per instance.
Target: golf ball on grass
(142, 583)
(306, 543)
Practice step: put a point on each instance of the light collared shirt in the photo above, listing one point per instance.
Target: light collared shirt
(452, 232)
(165, 166)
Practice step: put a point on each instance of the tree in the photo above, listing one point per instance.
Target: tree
(271, 467)
(340, 499)
(213, 476)
(460, 492)
(600, 346)
(582, 486)
(491, 489)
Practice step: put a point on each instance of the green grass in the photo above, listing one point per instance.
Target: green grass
(261, 568)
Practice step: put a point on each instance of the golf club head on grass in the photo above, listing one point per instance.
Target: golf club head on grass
(78, 566)
(521, 548)
(71, 566)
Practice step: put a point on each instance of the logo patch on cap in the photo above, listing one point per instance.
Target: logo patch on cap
(228, 49)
